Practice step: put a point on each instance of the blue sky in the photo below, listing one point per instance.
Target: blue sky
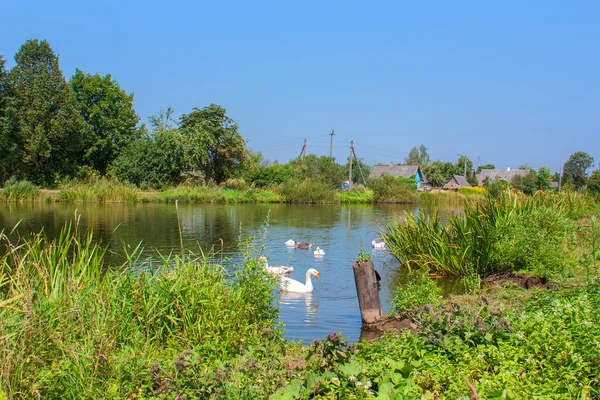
(505, 83)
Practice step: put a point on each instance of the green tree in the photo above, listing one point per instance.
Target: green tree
(46, 120)
(357, 167)
(543, 178)
(163, 121)
(438, 172)
(526, 183)
(213, 143)
(575, 167)
(593, 183)
(418, 156)
(155, 160)
(110, 120)
(7, 139)
(323, 169)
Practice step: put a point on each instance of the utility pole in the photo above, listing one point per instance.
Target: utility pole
(359, 168)
(350, 163)
(303, 151)
(331, 144)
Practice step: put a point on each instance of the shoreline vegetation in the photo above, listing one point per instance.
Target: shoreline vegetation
(110, 191)
(73, 327)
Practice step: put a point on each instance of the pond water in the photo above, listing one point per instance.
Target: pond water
(339, 230)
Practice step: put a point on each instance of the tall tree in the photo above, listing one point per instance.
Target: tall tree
(46, 120)
(213, 143)
(575, 167)
(7, 139)
(418, 156)
(109, 117)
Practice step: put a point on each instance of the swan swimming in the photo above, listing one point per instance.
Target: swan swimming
(275, 269)
(290, 243)
(292, 285)
(319, 252)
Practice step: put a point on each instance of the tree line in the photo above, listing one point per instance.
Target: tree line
(52, 130)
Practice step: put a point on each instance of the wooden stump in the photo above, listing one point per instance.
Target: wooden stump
(367, 291)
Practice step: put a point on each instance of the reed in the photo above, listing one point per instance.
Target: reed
(355, 196)
(70, 327)
(14, 190)
(215, 194)
(510, 234)
(307, 191)
(98, 190)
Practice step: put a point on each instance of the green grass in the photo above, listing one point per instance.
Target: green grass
(72, 328)
(509, 234)
(215, 194)
(14, 190)
(98, 190)
(355, 196)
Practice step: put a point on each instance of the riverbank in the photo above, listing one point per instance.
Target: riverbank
(305, 193)
(73, 328)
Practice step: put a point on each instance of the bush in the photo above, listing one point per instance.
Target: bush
(387, 189)
(235, 184)
(307, 191)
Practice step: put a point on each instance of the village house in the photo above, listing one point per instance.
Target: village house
(457, 182)
(504, 174)
(396, 170)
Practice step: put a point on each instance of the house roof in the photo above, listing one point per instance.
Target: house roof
(506, 174)
(405, 171)
(458, 180)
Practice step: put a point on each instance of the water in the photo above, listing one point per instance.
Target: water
(341, 231)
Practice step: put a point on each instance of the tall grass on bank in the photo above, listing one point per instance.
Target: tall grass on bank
(354, 196)
(14, 190)
(509, 234)
(307, 191)
(215, 194)
(98, 190)
(72, 328)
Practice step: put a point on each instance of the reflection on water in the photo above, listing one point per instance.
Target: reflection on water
(303, 304)
(340, 230)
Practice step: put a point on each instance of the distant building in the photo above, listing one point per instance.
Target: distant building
(504, 174)
(396, 170)
(456, 182)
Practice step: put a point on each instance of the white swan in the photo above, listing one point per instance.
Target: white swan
(292, 285)
(378, 245)
(319, 252)
(275, 269)
(290, 243)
